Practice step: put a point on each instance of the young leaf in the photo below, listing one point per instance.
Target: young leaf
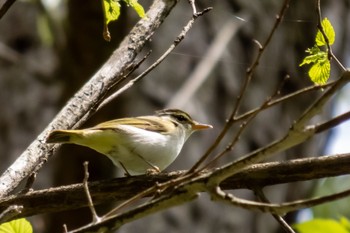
(16, 226)
(315, 55)
(321, 67)
(111, 10)
(329, 31)
(320, 226)
(320, 72)
(137, 7)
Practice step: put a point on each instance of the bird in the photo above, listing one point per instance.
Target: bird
(138, 145)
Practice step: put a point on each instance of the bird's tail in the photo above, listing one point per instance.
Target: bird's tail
(62, 136)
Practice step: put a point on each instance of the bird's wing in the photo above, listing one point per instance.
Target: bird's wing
(149, 123)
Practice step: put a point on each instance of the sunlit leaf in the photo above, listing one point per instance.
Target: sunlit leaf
(320, 226)
(320, 72)
(111, 10)
(321, 68)
(16, 226)
(137, 7)
(329, 31)
(315, 55)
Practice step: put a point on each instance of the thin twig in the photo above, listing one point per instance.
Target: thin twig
(285, 98)
(234, 140)
(161, 203)
(10, 212)
(102, 102)
(243, 126)
(279, 209)
(243, 89)
(318, 105)
(319, 26)
(65, 229)
(95, 217)
(5, 7)
(106, 101)
(178, 39)
(193, 5)
(131, 200)
(333, 122)
(262, 48)
(260, 194)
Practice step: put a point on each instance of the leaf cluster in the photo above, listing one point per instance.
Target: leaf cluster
(321, 68)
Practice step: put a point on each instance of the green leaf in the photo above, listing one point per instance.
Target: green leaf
(137, 7)
(320, 72)
(321, 68)
(315, 55)
(328, 30)
(111, 10)
(320, 226)
(16, 226)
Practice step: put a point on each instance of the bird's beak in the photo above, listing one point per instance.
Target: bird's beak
(199, 126)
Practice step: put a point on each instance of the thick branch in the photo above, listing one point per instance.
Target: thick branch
(120, 189)
(97, 87)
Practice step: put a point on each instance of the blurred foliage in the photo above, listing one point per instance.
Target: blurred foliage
(324, 226)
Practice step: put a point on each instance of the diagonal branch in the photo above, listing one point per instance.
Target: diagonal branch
(319, 26)
(5, 7)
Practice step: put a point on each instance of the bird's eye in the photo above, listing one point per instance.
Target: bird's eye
(180, 118)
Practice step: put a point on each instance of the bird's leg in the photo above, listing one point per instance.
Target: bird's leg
(151, 171)
(126, 170)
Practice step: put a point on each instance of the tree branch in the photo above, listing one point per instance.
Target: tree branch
(120, 189)
(5, 7)
(280, 209)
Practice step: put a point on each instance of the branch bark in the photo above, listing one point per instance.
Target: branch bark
(120, 189)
